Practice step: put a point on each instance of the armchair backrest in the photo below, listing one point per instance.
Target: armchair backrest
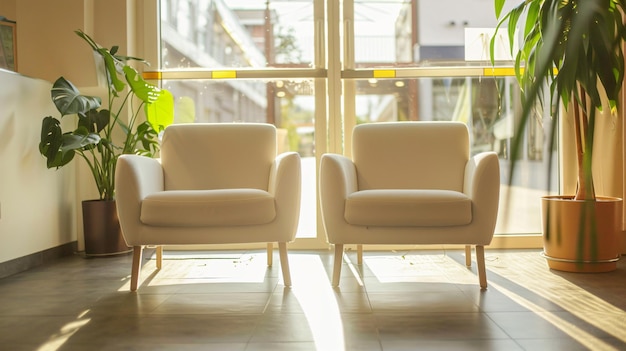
(410, 155)
(218, 155)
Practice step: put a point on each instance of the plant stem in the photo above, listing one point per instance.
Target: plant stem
(584, 142)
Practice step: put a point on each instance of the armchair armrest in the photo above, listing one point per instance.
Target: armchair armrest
(337, 180)
(284, 183)
(482, 185)
(135, 178)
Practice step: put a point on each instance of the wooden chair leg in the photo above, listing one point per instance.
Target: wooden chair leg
(480, 262)
(134, 274)
(468, 255)
(337, 264)
(270, 254)
(159, 257)
(284, 263)
(359, 254)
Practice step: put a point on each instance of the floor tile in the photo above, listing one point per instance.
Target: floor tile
(171, 329)
(437, 326)
(231, 300)
(214, 303)
(282, 346)
(420, 302)
(448, 345)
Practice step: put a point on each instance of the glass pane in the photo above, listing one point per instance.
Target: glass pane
(405, 32)
(488, 108)
(236, 33)
(380, 27)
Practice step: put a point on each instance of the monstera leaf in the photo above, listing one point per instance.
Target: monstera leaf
(68, 99)
(59, 148)
(159, 113)
(95, 121)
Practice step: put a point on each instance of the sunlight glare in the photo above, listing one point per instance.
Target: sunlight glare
(317, 299)
(435, 268)
(57, 340)
(353, 269)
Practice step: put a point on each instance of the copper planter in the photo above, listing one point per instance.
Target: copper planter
(581, 236)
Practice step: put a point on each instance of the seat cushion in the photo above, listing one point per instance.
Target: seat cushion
(402, 208)
(197, 208)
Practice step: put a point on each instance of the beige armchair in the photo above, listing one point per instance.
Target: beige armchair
(410, 183)
(214, 184)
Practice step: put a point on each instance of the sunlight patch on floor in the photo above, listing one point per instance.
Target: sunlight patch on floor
(193, 268)
(418, 268)
(353, 270)
(317, 299)
(56, 341)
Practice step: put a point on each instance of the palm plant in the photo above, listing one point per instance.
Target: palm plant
(101, 135)
(575, 49)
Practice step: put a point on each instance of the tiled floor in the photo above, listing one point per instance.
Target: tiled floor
(230, 300)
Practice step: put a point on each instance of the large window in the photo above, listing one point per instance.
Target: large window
(316, 68)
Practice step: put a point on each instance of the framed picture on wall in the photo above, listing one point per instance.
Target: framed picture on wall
(8, 47)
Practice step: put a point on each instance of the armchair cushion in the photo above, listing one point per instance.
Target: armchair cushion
(407, 208)
(198, 208)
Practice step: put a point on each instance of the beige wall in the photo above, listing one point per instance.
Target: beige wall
(7, 9)
(47, 46)
(37, 205)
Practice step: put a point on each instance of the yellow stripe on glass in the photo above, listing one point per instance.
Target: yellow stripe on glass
(499, 72)
(384, 73)
(151, 75)
(223, 74)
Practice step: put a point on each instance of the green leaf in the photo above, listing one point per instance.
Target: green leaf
(145, 91)
(59, 148)
(78, 140)
(513, 17)
(160, 113)
(147, 137)
(95, 121)
(110, 63)
(51, 141)
(68, 99)
(498, 5)
(531, 17)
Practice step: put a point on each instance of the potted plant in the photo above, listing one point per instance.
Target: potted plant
(574, 48)
(101, 134)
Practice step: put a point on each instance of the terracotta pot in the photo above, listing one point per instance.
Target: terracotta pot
(581, 236)
(101, 227)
